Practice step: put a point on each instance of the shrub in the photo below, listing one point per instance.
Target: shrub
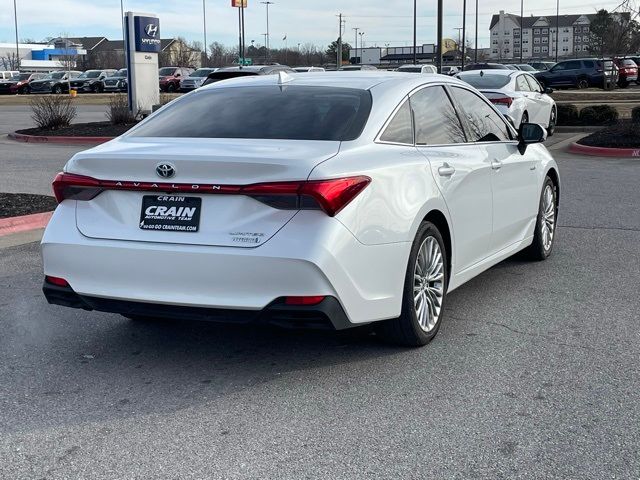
(118, 112)
(599, 115)
(51, 112)
(567, 114)
(635, 114)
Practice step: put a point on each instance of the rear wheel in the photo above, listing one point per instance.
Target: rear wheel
(544, 234)
(623, 84)
(425, 289)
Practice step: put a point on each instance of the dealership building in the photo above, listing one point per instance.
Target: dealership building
(40, 57)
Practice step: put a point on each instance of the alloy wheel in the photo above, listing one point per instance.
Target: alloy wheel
(548, 217)
(428, 284)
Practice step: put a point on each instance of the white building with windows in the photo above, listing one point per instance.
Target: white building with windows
(536, 36)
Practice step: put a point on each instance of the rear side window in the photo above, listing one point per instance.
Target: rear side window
(400, 129)
(264, 112)
(521, 84)
(436, 121)
(533, 84)
(572, 65)
(588, 63)
(484, 124)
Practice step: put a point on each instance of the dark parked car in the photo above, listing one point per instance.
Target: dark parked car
(170, 77)
(637, 60)
(579, 73)
(628, 71)
(19, 83)
(526, 68)
(486, 66)
(196, 79)
(542, 66)
(91, 81)
(55, 82)
(233, 72)
(117, 82)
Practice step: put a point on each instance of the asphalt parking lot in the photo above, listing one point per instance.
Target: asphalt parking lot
(534, 373)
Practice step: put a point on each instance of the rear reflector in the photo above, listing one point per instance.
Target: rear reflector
(60, 282)
(330, 195)
(502, 101)
(303, 300)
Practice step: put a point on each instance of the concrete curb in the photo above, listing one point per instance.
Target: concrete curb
(604, 152)
(11, 225)
(21, 137)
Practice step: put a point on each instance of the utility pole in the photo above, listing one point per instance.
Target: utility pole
(339, 49)
(475, 52)
(240, 57)
(356, 46)
(521, 29)
(15, 19)
(415, 31)
(204, 30)
(439, 49)
(124, 40)
(268, 39)
(244, 50)
(464, 32)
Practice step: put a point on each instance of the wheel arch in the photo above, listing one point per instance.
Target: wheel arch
(553, 174)
(440, 221)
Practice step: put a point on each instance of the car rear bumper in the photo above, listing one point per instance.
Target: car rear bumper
(312, 255)
(328, 314)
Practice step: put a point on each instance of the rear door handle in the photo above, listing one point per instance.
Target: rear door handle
(446, 170)
(496, 164)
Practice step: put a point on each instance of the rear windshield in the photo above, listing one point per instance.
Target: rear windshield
(410, 69)
(265, 112)
(217, 76)
(486, 81)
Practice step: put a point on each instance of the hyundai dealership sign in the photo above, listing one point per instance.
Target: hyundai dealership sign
(147, 34)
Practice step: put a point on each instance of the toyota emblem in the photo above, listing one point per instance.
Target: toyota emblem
(165, 170)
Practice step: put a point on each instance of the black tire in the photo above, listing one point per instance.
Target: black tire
(582, 84)
(57, 89)
(553, 119)
(537, 249)
(623, 84)
(171, 88)
(406, 330)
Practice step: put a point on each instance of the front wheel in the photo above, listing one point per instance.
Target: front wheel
(57, 89)
(171, 88)
(583, 83)
(552, 122)
(425, 289)
(623, 84)
(544, 234)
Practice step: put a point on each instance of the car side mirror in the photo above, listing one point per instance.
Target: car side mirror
(548, 90)
(530, 133)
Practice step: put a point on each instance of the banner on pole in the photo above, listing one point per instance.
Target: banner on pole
(239, 3)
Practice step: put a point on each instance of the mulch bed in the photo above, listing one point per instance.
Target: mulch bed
(623, 135)
(92, 129)
(15, 204)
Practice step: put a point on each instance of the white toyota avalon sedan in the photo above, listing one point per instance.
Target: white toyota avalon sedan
(338, 199)
(516, 94)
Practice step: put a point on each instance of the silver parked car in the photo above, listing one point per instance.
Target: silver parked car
(196, 79)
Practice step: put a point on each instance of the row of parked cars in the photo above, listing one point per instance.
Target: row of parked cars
(577, 73)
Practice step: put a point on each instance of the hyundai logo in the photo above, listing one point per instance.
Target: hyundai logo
(165, 170)
(151, 29)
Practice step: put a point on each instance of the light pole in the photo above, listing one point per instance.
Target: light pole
(356, 45)
(464, 32)
(415, 31)
(124, 40)
(361, 46)
(204, 29)
(475, 50)
(267, 41)
(521, 29)
(15, 19)
(439, 29)
(557, 26)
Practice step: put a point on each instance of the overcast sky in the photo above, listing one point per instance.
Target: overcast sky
(315, 21)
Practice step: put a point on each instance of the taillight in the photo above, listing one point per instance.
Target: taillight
(75, 187)
(507, 101)
(331, 195)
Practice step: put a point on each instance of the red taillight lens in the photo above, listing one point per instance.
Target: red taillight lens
(76, 187)
(329, 195)
(314, 300)
(507, 101)
(60, 282)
